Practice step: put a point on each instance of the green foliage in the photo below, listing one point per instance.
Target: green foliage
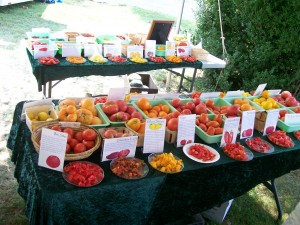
(262, 40)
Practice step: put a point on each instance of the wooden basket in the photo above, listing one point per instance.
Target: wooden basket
(36, 136)
(170, 136)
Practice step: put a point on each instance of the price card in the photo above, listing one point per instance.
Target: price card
(70, 124)
(138, 96)
(292, 119)
(183, 51)
(230, 130)
(154, 138)
(41, 51)
(92, 49)
(119, 147)
(186, 129)
(170, 48)
(116, 94)
(274, 92)
(52, 149)
(112, 50)
(234, 93)
(271, 121)
(206, 95)
(248, 118)
(71, 49)
(150, 48)
(167, 96)
(259, 89)
(135, 51)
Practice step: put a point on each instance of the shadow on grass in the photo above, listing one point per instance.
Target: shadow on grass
(11, 204)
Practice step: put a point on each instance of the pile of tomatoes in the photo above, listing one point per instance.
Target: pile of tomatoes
(201, 152)
(280, 138)
(128, 168)
(157, 59)
(257, 144)
(100, 100)
(235, 151)
(188, 58)
(80, 141)
(48, 61)
(117, 59)
(83, 174)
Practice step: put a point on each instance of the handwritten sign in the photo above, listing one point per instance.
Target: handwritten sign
(248, 119)
(271, 121)
(292, 119)
(230, 130)
(52, 149)
(154, 135)
(186, 129)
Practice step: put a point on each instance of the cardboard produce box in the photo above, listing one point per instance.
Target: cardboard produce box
(147, 81)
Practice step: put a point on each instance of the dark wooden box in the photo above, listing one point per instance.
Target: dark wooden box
(146, 80)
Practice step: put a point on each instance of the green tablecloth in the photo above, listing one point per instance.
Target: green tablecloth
(65, 69)
(156, 199)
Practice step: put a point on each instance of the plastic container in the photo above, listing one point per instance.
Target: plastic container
(153, 103)
(285, 127)
(209, 139)
(111, 123)
(108, 39)
(258, 107)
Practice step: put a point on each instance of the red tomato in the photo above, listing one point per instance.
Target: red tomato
(56, 127)
(69, 131)
(79, 148)
(173, 124)
(68, 149)
(73, 142)
(110, 107)
(88, 144)
(122, 105)
(78, 136)
(175, 102)
(89, 135)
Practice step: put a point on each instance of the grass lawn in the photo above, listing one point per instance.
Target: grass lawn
(255, 207)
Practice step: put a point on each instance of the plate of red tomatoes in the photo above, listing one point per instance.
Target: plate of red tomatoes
(201, 153)
(238, 152)
(280, 138)
(48, 61)
(297, 134)
(129, 168)
(188, 58)
(259, 145)
(117, 59)
(83, 173)
(157, 59)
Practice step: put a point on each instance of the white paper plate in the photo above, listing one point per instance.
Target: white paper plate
(186, 152)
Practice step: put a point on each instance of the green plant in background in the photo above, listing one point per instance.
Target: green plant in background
(262, 41)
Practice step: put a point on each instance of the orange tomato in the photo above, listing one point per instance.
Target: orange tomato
(134, 124)
(165, 108)
(156, 108)
(141, 130)
(144, 104)
(87, 103)
(152, 115)
(65, 103)
(218, 118)
(153, 111)
(219, 130)
(162, 114)
(64, 115)
(213, 124)
(246, 107)
(96, 120)
(84, 116)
